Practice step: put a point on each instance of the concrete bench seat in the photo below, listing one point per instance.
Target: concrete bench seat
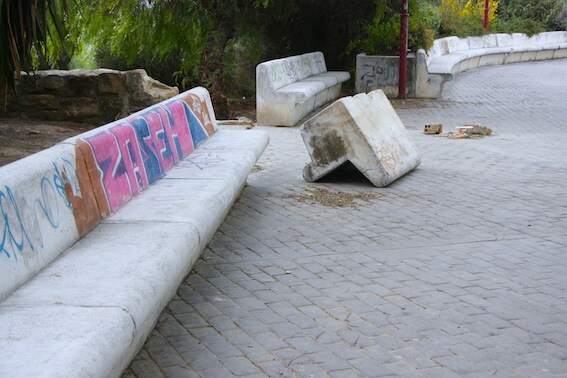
(290, 88)
(87, 266)
(330, 78)
(449, 64)
(451, 55)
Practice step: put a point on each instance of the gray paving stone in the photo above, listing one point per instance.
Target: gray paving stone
(143, 368)
(305, 345)
(190, 320)
(275, 369)
(380, 354)
(535, 371)
(457, 269)
(203, 359)
(286, 330)
(291, 356)
(270, 340)
(440, 372)
(329, 361)
(162, 352)
(371, 368)
(347, 373)
(309, 370)
(240, 366)
(186, 345)
(180, 372)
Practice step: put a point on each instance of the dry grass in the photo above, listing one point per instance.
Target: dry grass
(332, 198)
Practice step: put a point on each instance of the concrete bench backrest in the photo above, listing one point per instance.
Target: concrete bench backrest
(51, 199)
(555, 37)
(456, 44)
(505, 40)
(282, 72)
(439, 48)
(448, 45)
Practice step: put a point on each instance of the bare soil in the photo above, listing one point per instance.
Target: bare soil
(20, 137)
(332, 198)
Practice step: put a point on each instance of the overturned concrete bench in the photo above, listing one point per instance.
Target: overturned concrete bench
(451, 55)
(365, 130)
(99, 231)
(290, 88)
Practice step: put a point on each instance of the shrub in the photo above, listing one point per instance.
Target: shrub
(532, 16)
(518, 25)
(464, 18)
(382, 34)
(242, 55)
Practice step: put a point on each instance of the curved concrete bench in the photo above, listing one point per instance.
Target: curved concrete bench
(99, 231)
(290, 88)
(451, 55)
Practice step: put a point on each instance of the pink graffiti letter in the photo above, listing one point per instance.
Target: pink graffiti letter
(130, 151)
(111, 164)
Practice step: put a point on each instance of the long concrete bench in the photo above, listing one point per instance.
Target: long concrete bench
(290, 88)
(451, 55)
(99, 231)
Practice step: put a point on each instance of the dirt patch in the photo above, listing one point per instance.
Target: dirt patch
(331, 198)
(244, 107)
(20, 138)
(410, 103)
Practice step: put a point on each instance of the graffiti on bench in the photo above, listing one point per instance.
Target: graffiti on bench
(126, 158)
(109, 168)
(23, 222)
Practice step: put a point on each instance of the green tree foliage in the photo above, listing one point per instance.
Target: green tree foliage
(227, 31)
(531, 16)
(166, 37)
(215, 43)
(461, 18)
(381, 34)
(299, 26)
(218, 43)
(24, 27)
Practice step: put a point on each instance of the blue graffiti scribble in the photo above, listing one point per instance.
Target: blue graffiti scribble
(48, 201)
(21, 224)
(14, 225)
(202, 161)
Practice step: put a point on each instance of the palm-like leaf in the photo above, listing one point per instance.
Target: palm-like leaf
(24, 26)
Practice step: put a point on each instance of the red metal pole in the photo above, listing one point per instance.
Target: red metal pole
(485, 20)
(403, 51)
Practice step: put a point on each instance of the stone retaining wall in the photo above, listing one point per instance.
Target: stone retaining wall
(91, 96)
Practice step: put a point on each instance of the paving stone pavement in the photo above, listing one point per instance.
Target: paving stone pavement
(457, 269)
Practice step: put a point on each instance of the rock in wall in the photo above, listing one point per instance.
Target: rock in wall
(91, 96)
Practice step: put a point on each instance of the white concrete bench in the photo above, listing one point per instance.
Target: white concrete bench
(452, 55)
(290, 88)
(98, 232)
